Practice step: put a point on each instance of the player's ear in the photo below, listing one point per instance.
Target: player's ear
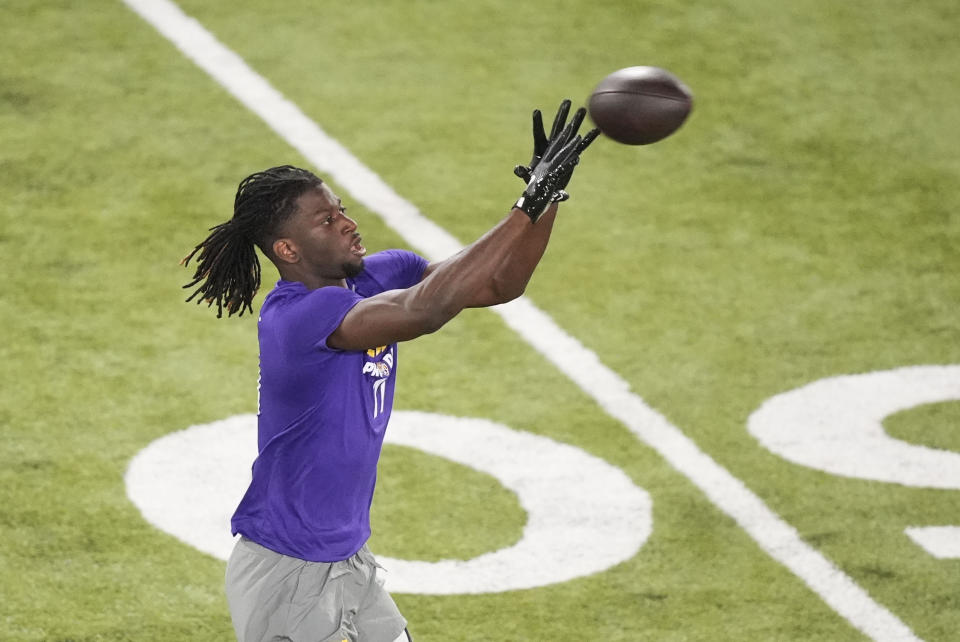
(286, 251)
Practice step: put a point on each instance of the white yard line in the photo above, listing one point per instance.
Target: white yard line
(780, 540)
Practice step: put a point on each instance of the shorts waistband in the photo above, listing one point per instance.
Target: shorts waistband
(363, 556)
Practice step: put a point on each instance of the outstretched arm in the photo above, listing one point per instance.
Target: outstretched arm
(463, 280)
(494, 269)
(510, 282)
(512, 276)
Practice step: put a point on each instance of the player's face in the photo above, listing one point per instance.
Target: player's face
(326, 238)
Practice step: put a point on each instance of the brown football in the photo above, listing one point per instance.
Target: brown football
(640, 105)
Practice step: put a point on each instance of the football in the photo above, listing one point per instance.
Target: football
(640, 105)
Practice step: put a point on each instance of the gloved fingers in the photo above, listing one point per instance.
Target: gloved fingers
(568, 153)
(589, 138)
(539, 137)
(558, 143)
(578, 119)
(523, 172)
(561, 118)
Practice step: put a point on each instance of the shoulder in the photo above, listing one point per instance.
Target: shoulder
(304, 317)
(394, 261)
(389, 270)
(292, 298)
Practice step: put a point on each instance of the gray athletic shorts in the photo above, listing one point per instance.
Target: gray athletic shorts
(279, 598)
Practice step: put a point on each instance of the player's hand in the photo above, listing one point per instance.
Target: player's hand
(564, 178)
(540, 140)
(555, 165)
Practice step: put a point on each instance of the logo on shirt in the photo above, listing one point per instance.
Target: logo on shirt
(378, 365)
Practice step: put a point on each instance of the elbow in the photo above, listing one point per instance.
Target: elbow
(431, 319)
(427, 314)
(432, 323)
(506, 292)
(515, 293)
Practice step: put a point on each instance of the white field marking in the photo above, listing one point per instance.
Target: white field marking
(780, 540)
(836, 425)
(575, 502)
(943, 542)
(187, 483)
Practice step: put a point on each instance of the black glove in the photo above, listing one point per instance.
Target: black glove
(541, 142)
(564, 178)
(555, 165)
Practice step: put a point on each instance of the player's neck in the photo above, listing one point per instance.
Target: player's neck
(311, 280)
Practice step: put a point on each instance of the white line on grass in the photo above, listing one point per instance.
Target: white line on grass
(943, 542)
(780, 540)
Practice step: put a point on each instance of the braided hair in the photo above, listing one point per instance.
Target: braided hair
(227, 262)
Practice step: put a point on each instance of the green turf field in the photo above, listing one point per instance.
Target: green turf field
(802, 225)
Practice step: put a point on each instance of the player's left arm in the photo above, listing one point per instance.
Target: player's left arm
(511, 279)
(514, 273)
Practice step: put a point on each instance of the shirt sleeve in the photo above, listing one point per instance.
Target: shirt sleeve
(411, 267)
(397, 269)
(318, 314)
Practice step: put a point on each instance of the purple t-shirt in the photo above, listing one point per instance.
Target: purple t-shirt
(322, 417)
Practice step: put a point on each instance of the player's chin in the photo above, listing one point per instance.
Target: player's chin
(353, 268)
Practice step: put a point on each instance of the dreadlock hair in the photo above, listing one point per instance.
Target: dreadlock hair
(227, 262)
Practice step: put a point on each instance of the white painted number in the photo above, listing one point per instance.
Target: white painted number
(836, 425)
(187, 483)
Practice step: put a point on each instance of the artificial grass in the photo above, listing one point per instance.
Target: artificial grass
(801, 225)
